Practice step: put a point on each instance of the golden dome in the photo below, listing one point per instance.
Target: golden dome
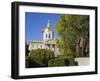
(48, 27)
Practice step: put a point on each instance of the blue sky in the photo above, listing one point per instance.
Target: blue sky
(36, 22)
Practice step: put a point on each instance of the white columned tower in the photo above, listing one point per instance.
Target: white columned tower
(47, 32)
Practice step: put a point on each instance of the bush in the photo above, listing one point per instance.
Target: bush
(63, 60)
(39, 58)
(58, 62)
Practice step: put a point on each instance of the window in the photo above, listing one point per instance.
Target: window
(49, 35)
(53, 45)
(46, 35)
(32, 45)
(37, 46)
(40, 46)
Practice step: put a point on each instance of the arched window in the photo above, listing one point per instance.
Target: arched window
(46, 36)
(49, 35)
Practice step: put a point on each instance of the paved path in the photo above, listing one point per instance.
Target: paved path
(82, 60)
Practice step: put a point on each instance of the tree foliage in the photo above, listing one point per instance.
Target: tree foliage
(26, 49)
(39, 57)
(73, 32)
(62, 60)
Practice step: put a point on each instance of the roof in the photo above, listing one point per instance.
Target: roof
(50, 42)
(48, 27)
(36, 41)
(46, 42)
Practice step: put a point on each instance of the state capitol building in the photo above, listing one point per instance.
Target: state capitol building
(47, 42)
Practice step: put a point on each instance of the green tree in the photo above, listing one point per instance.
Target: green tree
(73, 32)
(39, 58)
(26, 49)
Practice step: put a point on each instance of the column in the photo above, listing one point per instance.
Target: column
(50, 46)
